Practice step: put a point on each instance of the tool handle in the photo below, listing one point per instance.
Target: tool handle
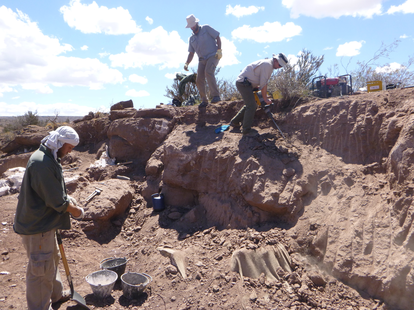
(65, 262)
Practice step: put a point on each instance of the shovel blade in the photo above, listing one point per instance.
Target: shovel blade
(79, 300)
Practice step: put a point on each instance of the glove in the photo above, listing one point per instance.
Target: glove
(186, 66)
(81, 216)
(218, 54)
(72, 200)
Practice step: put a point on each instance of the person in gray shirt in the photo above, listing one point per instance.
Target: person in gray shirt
(205, 41)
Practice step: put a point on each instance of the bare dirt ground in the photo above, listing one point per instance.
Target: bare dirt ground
(210, 284)
(343, 174)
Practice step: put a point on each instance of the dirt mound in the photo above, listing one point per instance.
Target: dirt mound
(337, 193)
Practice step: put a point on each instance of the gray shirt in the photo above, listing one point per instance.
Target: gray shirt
(258, 73)
(204, 42)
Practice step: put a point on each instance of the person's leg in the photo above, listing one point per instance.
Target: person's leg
(211, 66)
(201, 80)
(246, 114)
(41, 270)
(238, 119)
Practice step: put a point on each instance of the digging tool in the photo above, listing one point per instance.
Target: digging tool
(73, 294)
(266, 108)
(97, 191)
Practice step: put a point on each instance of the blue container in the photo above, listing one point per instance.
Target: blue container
(158, 202)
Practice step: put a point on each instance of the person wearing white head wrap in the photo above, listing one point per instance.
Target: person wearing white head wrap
(43, 207)
(56, 139)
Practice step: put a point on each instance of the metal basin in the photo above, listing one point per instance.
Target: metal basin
(102, 282)
(134, 284)
(115, 264)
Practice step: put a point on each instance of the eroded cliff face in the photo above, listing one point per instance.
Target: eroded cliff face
(341, 182)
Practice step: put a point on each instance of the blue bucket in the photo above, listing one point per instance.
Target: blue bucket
(158, 202)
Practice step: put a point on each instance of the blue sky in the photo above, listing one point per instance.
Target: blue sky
(75, 56)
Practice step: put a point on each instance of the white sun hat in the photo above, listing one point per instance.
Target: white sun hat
(191, 21)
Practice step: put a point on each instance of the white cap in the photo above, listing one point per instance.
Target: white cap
(191, 21)
(281, 59)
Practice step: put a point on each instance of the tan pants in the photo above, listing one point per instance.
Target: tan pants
(206, 70)
(43, 282)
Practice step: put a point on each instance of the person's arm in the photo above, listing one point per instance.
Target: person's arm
(189, 59)
(219, 52)
(218, 41)
(74, 210)
(264, 95)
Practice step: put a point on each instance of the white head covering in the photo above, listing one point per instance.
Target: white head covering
(281, 59)
(60, 136)
(191, 21)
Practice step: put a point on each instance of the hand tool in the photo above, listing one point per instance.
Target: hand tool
(97, 191)
(73, 294)
(266, 108)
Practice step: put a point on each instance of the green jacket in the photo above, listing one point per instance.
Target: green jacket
(43, 199)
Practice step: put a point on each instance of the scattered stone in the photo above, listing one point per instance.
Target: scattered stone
(174, 216)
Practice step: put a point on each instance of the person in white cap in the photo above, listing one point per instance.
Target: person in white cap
(255, 77)
(205, 41)
(44, 206)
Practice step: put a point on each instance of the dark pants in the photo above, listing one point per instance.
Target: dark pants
(246, 113)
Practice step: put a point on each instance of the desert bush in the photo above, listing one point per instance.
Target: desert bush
(294, 81)
(189, 90)
(19, 122)
(371, 70)
(227, 89)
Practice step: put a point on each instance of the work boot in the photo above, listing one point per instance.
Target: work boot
(66, 295)
(215, 99)
(235, 124)
(203, 104)
(250, 133)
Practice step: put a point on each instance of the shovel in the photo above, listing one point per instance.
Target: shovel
(73, 295)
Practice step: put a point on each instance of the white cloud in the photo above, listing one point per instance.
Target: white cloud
(84, 48)
(135, 78)
(230, 53)
(268, 33)
(149, 20)
(135, 93)
(170, 76)
(157, 47)
(349, 49)
(405, 8)
(39, 88)
(33, 60)
(5, 89)
(104, 54)
(64, 108)
(389, 68)
(404, 36)
(333, 8)
(98, 19)
(240, 11)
